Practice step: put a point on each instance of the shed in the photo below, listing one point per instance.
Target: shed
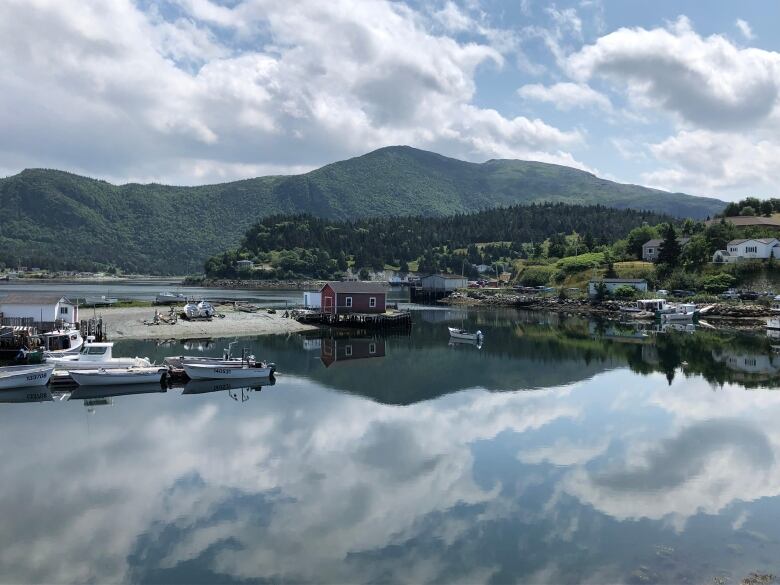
(312, 299)
(40, 307)
(443, 282)
(340, 298)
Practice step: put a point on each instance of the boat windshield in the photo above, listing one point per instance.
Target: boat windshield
(91, 350)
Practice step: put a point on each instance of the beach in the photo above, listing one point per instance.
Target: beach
(132, 323)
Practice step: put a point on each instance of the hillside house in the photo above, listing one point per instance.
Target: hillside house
(40, 307)
(612, 284)
(651, 248)
(245, 265)
(748, 249)
(339, 298)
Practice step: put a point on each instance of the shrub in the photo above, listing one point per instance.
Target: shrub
(624, 292)
(537, 275)
(717, 283)
(573, 264)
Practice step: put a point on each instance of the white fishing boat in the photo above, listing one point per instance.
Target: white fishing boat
(225, 359)
(459, 333)
(169, 298)
(61, 342)
(245, 371)
(773, 323)
(100, 301)
(25, 376)
(118, 376)
(94, 356)
(199, 310)
(681, 312)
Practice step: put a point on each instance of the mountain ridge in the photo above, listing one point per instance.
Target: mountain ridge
(60, 219)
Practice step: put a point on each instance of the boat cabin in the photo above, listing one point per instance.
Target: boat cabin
(651, 305)
(62, 341)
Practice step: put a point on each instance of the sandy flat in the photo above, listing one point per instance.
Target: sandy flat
(128, 323)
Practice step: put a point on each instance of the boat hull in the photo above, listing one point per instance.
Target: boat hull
(25, 376)
(456, 334)
(117, 377)
(225, 372)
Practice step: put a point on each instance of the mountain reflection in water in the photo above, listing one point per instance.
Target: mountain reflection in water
(562, 451)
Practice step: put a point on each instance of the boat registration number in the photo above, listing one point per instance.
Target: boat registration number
(32, 377)
(221, 370)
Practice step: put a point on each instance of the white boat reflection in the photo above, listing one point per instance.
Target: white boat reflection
(456, 341)
(206, 386)
(93, 392)
(18, 395)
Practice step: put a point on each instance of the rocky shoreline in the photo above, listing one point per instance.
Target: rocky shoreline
(234, 283)
(750, 316)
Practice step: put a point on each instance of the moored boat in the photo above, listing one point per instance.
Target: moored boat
(681, 312)
(118, 376)
(457, 333)
(25, 376)
(94, 356)
(246, 370)
(169, 298)
(61, 342)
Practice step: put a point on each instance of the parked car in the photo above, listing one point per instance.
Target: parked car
(680, 293)
(662, 293)
(730, 295)
(748, 295)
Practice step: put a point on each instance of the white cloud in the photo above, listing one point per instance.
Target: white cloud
(744, 28)
(705, 161)
(566, 95)
(109, 90)
(706, 82)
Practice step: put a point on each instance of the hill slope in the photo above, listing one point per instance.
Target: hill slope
(58, 219)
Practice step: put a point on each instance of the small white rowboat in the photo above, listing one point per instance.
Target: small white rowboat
(223, 371)
(463, 334)
(113, 377)
(25, 376)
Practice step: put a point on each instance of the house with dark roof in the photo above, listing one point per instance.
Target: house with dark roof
(41, 307)
(748, 249)
(651, 248)
(339, 298)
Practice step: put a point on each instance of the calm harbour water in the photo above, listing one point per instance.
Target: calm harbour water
(561, 451)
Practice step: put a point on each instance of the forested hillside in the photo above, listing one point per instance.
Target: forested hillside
(303, 245)
(56, 219)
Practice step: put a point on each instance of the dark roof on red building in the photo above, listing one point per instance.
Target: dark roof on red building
(357, 287)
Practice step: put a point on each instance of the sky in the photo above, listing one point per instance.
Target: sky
(679, 95)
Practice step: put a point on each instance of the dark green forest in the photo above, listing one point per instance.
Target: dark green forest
(59, 220)
(304, 245)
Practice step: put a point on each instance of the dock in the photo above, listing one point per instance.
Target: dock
(400, 320)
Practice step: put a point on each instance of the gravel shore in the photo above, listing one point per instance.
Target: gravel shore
(130, 323)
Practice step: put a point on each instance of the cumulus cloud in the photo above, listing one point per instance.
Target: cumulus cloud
(707, 82)
(566, 95)
(110, 89)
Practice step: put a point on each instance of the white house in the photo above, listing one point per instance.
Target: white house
(41, 307)
(443, 282)
(761, 248)
(613, 284)
(244, 264)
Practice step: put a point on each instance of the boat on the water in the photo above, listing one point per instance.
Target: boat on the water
(246, 370)
(25, 376)
(61, 342)
(681, 312)
(118, 376)
(94, 356)
(459, 333)
(169, 298)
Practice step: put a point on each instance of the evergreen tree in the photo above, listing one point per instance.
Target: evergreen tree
(767, 208)
(669, 251)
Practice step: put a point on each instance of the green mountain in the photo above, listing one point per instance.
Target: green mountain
(61, 220)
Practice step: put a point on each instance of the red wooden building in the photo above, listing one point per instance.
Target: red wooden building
(340, 298)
